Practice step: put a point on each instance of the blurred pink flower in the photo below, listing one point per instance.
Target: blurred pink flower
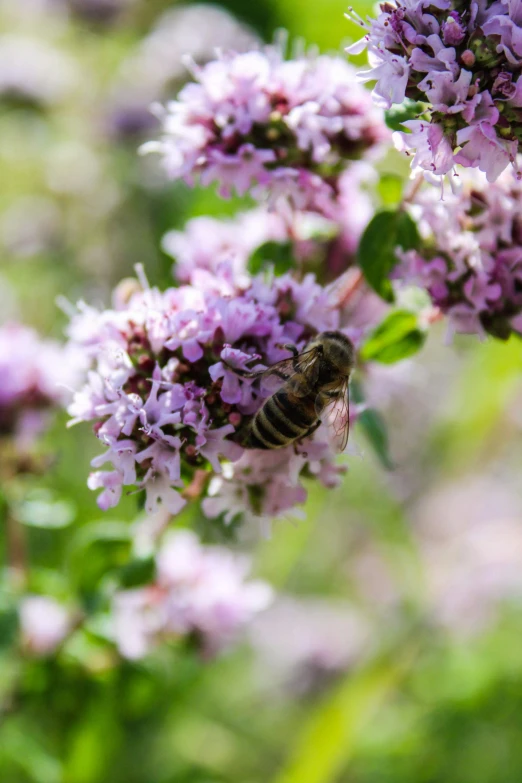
(158, 62)
(36, 375)
(470, 541)
(35, 71)
(328, 240)
(44, 624)
(300, 641)
(199, 591)
(207, 242)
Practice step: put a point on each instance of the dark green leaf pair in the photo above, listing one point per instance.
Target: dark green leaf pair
(377, 257)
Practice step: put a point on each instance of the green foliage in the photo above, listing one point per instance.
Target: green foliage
(390, 188)
(278, 255)
(137, 572)
(40, 509)
(8, 621)
(408, 110)
(95, 550)
(371, 422)
(374, 428)
(376, 255)
(397, 337)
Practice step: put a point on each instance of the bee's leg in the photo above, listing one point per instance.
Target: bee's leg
(256, 373)
(310, 431)
(243, 373)
(293, 350)
(289, 347)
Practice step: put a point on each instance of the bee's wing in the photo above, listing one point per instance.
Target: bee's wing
(338, 415)
(287, 369)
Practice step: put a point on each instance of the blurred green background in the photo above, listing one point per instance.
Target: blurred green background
(393, 653)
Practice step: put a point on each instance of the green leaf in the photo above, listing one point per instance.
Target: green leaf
(137, 572)
(373, 426)
(376, 432)
(396, 338)
(389, 189)
(8, 625)
(276, 254)
(387, 231)
(332, 734)
(23, 747)
(96, 550)
(40, 509)
(408, 110)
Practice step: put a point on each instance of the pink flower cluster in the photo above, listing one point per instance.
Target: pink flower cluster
(207, 242)
(165, 405)
(256, 121)
(325, 244)
(462, 60)
(34, 377)
(199, 592)
(471, 263)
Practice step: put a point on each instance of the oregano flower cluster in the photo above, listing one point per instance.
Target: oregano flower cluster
(257, 123)
(460, 61)
(166, 404)
(470, 261)
(199, 592)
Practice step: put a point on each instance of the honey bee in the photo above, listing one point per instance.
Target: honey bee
(312, 381)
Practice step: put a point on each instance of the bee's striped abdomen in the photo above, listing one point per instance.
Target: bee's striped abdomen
(283, 419)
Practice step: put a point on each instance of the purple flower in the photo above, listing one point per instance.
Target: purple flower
(224, 247)
(207, 242)
(462, 63)
(199, 591)
(284, 126)
(471, 263)
(481, 146)
(166, 406)
(36, 376)
(453, 30)
(157, 62)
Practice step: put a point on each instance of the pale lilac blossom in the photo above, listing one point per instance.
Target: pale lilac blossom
(325, 243)
(470, 544)
(44, 624)
(207, 242)
(471, 260)
(255, 121)
(301, 642)
(199, 592)
(36, 376)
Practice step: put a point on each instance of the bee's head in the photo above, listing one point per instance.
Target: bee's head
(338, 350)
